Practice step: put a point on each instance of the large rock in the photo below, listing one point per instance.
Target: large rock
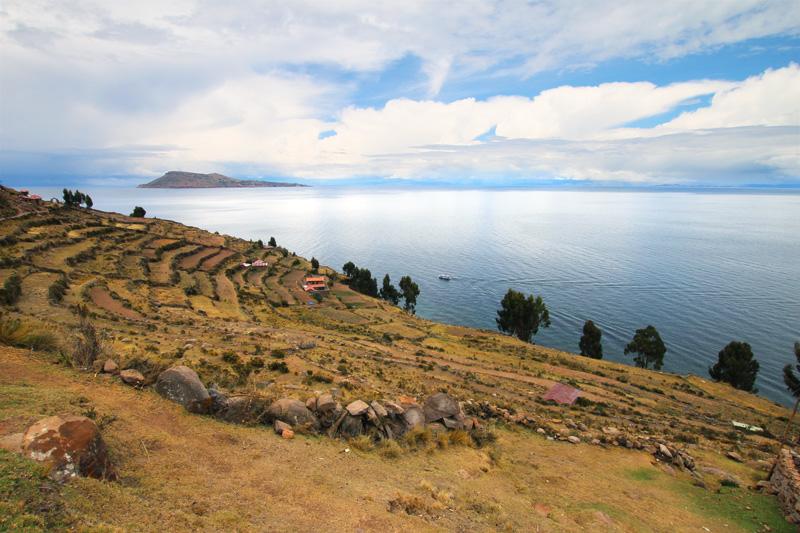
(292, 412)
(380, 410)
(440, 406)
(326, 403)
(110, 367)
(181, 385)
(70, 446)
(132, 377)
(351, 426)
(241, 410)
(357, 408)
(413, 416)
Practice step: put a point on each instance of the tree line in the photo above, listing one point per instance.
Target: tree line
(76, 198)
(522, 316)
(361, 280)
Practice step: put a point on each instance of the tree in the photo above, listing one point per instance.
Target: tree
(138, 212)
(260, 243)
(88, 201)
(736, 366)
(349, 269)
(410, 292)
(649, 347)
(272, 242)
(791, 379)
(521, 316)
(389, 292)
(591, 341)
(314, 264)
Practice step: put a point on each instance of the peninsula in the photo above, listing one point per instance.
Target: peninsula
(175, 179)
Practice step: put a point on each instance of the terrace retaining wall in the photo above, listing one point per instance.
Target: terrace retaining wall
(785, 481)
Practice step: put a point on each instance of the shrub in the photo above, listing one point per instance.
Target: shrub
(389, 449)
(88, 343)
(362, 443)
(230, 357)
(12, 290)
(278, 354)
(57, 290)
(14, 333)
(279, 366)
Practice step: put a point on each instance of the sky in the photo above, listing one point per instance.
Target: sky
(640, 93)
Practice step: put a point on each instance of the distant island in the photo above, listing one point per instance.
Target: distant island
(175, 179)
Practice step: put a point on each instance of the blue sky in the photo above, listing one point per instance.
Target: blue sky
(471, 92)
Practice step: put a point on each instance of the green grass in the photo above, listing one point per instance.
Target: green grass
(641, 474)
(746, 509)
(29, 500)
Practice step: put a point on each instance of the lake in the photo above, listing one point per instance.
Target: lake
(705, 268)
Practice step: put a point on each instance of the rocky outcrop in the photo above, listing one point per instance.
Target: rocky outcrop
(70, 446)
(180, 384)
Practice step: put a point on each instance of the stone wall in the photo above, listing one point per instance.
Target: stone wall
(785, 483)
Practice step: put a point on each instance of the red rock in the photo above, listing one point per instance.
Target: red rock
(287, 434)
(70, 446)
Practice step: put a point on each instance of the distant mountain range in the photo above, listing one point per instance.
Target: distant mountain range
(175, 179)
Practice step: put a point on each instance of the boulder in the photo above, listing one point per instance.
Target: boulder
(351, 426)
(180, 384)
(414, 416)
(292, 412)
(733, 456)
(132, 377)
(380, 411)
(393, 408)
(357, 408)
(663, 450)
(453, 423)
(240, 410)
(573, 439)
(308, 345)
(287, 434)
(326, 403)
(311, 404)
(110, 367)
(70, 446)
(440, 406)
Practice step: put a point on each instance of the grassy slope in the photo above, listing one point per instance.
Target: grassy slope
(369, 350)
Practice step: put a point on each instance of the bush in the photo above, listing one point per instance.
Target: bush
(14, 333)
(279, 366)
(12, 290)
(56, 291)
(389, 449)
(88, 343)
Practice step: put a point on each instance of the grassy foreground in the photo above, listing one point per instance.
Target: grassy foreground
(169, 294)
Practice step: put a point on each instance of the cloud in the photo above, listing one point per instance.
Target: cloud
(219, 85)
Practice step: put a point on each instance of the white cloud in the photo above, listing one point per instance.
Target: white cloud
(219, 84)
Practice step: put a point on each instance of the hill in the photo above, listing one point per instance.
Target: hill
(163, 294)
(175, 179)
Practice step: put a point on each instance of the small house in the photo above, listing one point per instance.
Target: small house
(315, 283)
(260, 263)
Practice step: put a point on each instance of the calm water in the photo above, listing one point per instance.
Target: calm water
(704, 268)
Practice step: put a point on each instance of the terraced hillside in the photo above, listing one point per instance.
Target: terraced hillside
(168, 294)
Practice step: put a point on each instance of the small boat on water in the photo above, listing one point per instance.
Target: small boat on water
(445, 277)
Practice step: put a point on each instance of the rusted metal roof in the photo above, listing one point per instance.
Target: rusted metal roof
(561, 393)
